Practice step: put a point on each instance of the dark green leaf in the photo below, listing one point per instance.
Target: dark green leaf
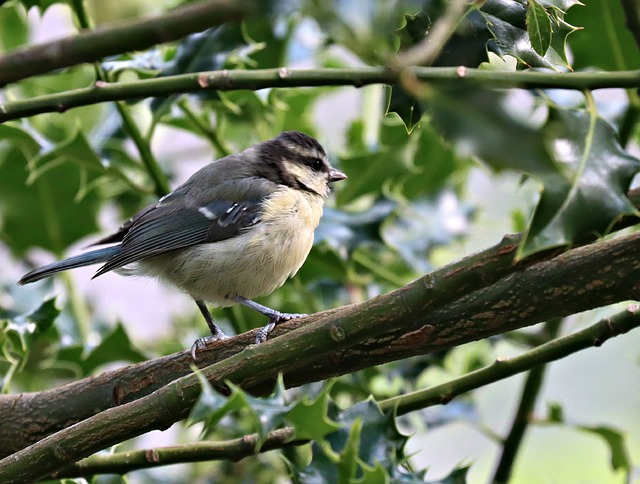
(13, 28)
(588, 191)
(405, 106)
(310, 418)
(211, 406)
(555, 412)
(506, 19)
(538, 27)
(485, 124)
(204, 51)
(47, 199)
(604, 41)
(263, 414)
(584, 170)
(366, 439)
(367, 29)
(116, 346)
(616, 441)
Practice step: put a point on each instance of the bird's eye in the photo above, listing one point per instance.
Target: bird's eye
(316, 164)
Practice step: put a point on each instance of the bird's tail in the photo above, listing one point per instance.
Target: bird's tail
(86, 259)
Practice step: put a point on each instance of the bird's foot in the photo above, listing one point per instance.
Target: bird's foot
(201, 343)
(275, 319)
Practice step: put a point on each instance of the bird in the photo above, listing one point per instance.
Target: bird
(237, 229)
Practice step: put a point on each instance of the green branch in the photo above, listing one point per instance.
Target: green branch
(594, 335)
(530, 391)
(123, 37)
(226, 80)
(161, 185)
(236, 449)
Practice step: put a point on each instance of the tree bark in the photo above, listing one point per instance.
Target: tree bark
(479, 296)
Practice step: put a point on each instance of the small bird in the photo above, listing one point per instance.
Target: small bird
(235, 230)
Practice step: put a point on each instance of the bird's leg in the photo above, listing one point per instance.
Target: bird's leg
(275, 317)
(216, 333)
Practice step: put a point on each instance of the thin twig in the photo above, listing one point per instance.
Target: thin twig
(128, 36)
(270, 78)
(426, 51)
(530, 391)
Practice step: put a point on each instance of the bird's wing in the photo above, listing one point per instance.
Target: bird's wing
(170, 226)
(125, 227)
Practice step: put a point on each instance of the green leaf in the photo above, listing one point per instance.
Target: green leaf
(588, 191)
(29, 327)
(616, 441)
(367, 29)
(366, 439)
(584, 171)
(204, 51)
(13, 28)
(310, 418)
(116, 346)
(604, 41)
(386, 165)
(262, 414)
(211, 406)
(538, 27)
(19, 334)
(507, 22)
(348, 465)
(483, 123)
(48, 200)
(555, 412)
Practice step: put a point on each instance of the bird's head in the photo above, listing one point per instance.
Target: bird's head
(297, 160)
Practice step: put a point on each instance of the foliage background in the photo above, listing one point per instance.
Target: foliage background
(414, 201)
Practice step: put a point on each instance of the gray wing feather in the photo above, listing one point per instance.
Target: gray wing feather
(187, 217)
(167, 229)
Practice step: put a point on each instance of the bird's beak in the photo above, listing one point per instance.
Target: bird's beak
(336, 175)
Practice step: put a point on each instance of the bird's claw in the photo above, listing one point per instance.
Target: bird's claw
(201, 343)
(263, 333)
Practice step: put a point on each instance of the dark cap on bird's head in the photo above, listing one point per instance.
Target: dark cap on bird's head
(298, 161)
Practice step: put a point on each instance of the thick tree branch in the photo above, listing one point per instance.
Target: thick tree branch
(46, 412)
(269, 78)
(124, 37)
(236, 449)
(435, 312)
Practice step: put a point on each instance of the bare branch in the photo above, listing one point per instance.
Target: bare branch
(123, 37)
(234, 80)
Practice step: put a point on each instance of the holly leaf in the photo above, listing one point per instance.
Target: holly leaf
(115, 346)
(587, 192)
(584, 171)
(604, 41)
(538, 27)
(310, 418)
(507, 22)
(53, 194)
